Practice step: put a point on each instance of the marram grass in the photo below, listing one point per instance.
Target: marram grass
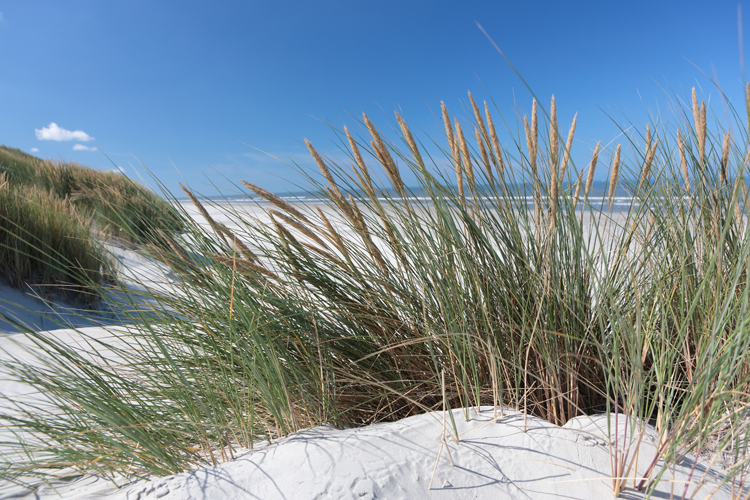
(115, 204)
(44, 241)
(356, 311)
(52, 215)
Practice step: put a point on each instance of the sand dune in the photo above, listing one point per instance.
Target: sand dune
(503, 458)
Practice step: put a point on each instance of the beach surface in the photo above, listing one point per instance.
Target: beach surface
(495, 456)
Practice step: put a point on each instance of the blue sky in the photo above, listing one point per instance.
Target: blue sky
(180, 86)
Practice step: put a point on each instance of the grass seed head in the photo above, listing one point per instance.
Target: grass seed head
(485, 157)
(385, 157)
(554, 140)
(498, 151)
(466, 156)
(410, 140)
(647, 165)
(529, 142)
(568, 146)
(299, 227)
(272, 198)
(459, 169)
(452, 144)
(285, 237)
(724, 160)
(696, 113)
(324, 169)
(204, 213)
(614, 175)
(478, 118)
(332, 233)
(683, 161)
(592, 169)
(702, 135)
(237, 243)
(360, 162)
(737, 210)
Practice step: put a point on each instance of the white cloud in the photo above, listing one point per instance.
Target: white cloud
(34, 150)
(55, 133)
(118, 170)
(81, 147)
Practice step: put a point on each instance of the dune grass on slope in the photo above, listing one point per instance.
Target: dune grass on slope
(51, 214)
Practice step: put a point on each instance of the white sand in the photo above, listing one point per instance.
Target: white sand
(494, 460)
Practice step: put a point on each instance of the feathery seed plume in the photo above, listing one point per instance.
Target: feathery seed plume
(568, 145)
(554, 147)
(465, 153)
(410, 140)
(534, 132)
(363, 183)
(393, 176)
(364, 232)
(647, 164)
(648, 136)
(592, 168)
(449, 134)
(237, 243)
(478, 118)
(485, 158)
(683, 161)
(272, 198)
(334, 235)
(737, 211)
(615, 172)
(358, 158)
(455, 151)
(385, 157)
(324, 169)
(459, 173)
(531, 146)
(702, 137)
(285, 235)
(498, 152)
(299, 227)
(696, 113)
(204, 213)
(529, 142)
(554, 140)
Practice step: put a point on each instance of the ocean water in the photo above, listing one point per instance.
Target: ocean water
(622, 199)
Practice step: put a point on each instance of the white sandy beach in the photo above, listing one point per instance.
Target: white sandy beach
(497, 454)
(495, 458)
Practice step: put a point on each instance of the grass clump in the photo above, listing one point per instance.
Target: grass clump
(52, 213)
(116, 205)
(44, 241)
(508, 277)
